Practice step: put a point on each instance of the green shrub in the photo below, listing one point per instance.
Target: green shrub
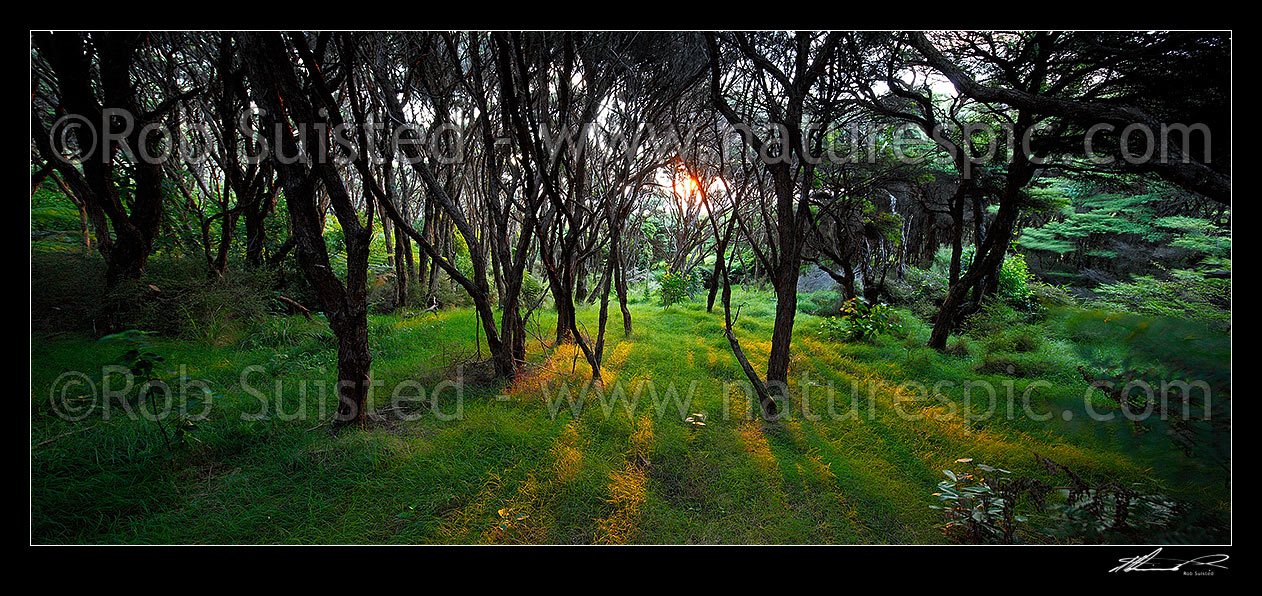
(1050, 295)
(989, 505)
(958, 348)
(1185, 294)
(531, 290)
(448, 293)
(382, 292)
(1006, 365)
(1015, 337)
(993, 318)
(860, 321)
(1013, 285)
(1025, 342)
(1014, 282)
(919, 290)
(674, 287)
(174, 298)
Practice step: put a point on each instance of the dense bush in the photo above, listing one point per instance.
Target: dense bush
(992, 318)
(1184, 293)
(1126, 228)
(66, 292)
(448, 293)
(531, 291)
(288, 332)
(919, 290)
(989, 505)
(675, 287)
(174, 297)
(736, 274)
(1014, 281)
(382, 292)
(1009, 366)
(1050, 295)
(860, 321)
(958, 347)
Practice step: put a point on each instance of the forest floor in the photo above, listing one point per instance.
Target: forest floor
(494, 464)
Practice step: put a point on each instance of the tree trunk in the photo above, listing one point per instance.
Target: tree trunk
(580, 281)
(714, 281)
(765, 400)
(353, 361)
(782, 332)
(957, 229)
(720, 264)
(620, 282)
(402, 274)
(279, 92)
(255, 231)
(565, 311)
(991, 252)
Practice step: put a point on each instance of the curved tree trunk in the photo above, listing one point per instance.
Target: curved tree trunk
(279, 92)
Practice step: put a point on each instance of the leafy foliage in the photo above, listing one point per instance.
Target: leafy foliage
(990, 505)
(142, 361)
(532, 290)
(675, 287)
(1014, 279)
(174, 298)
(1184, 293)
(920, 290)
(860, 321)
(1147, 248)
(1014, 282)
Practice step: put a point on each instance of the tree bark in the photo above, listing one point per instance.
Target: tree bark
(993, 248)
(278, 90)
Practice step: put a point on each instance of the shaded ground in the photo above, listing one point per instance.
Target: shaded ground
(509, 471)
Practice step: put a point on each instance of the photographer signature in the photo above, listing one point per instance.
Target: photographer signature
(1151, 562)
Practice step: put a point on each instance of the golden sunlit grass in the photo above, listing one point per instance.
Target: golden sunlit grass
(626, 489)
(627, 494)
(567, 454)
(618, 355)
(460, 524)
(524, 517)
(755, 444)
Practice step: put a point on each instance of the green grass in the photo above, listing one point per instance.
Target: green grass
(508, 472)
